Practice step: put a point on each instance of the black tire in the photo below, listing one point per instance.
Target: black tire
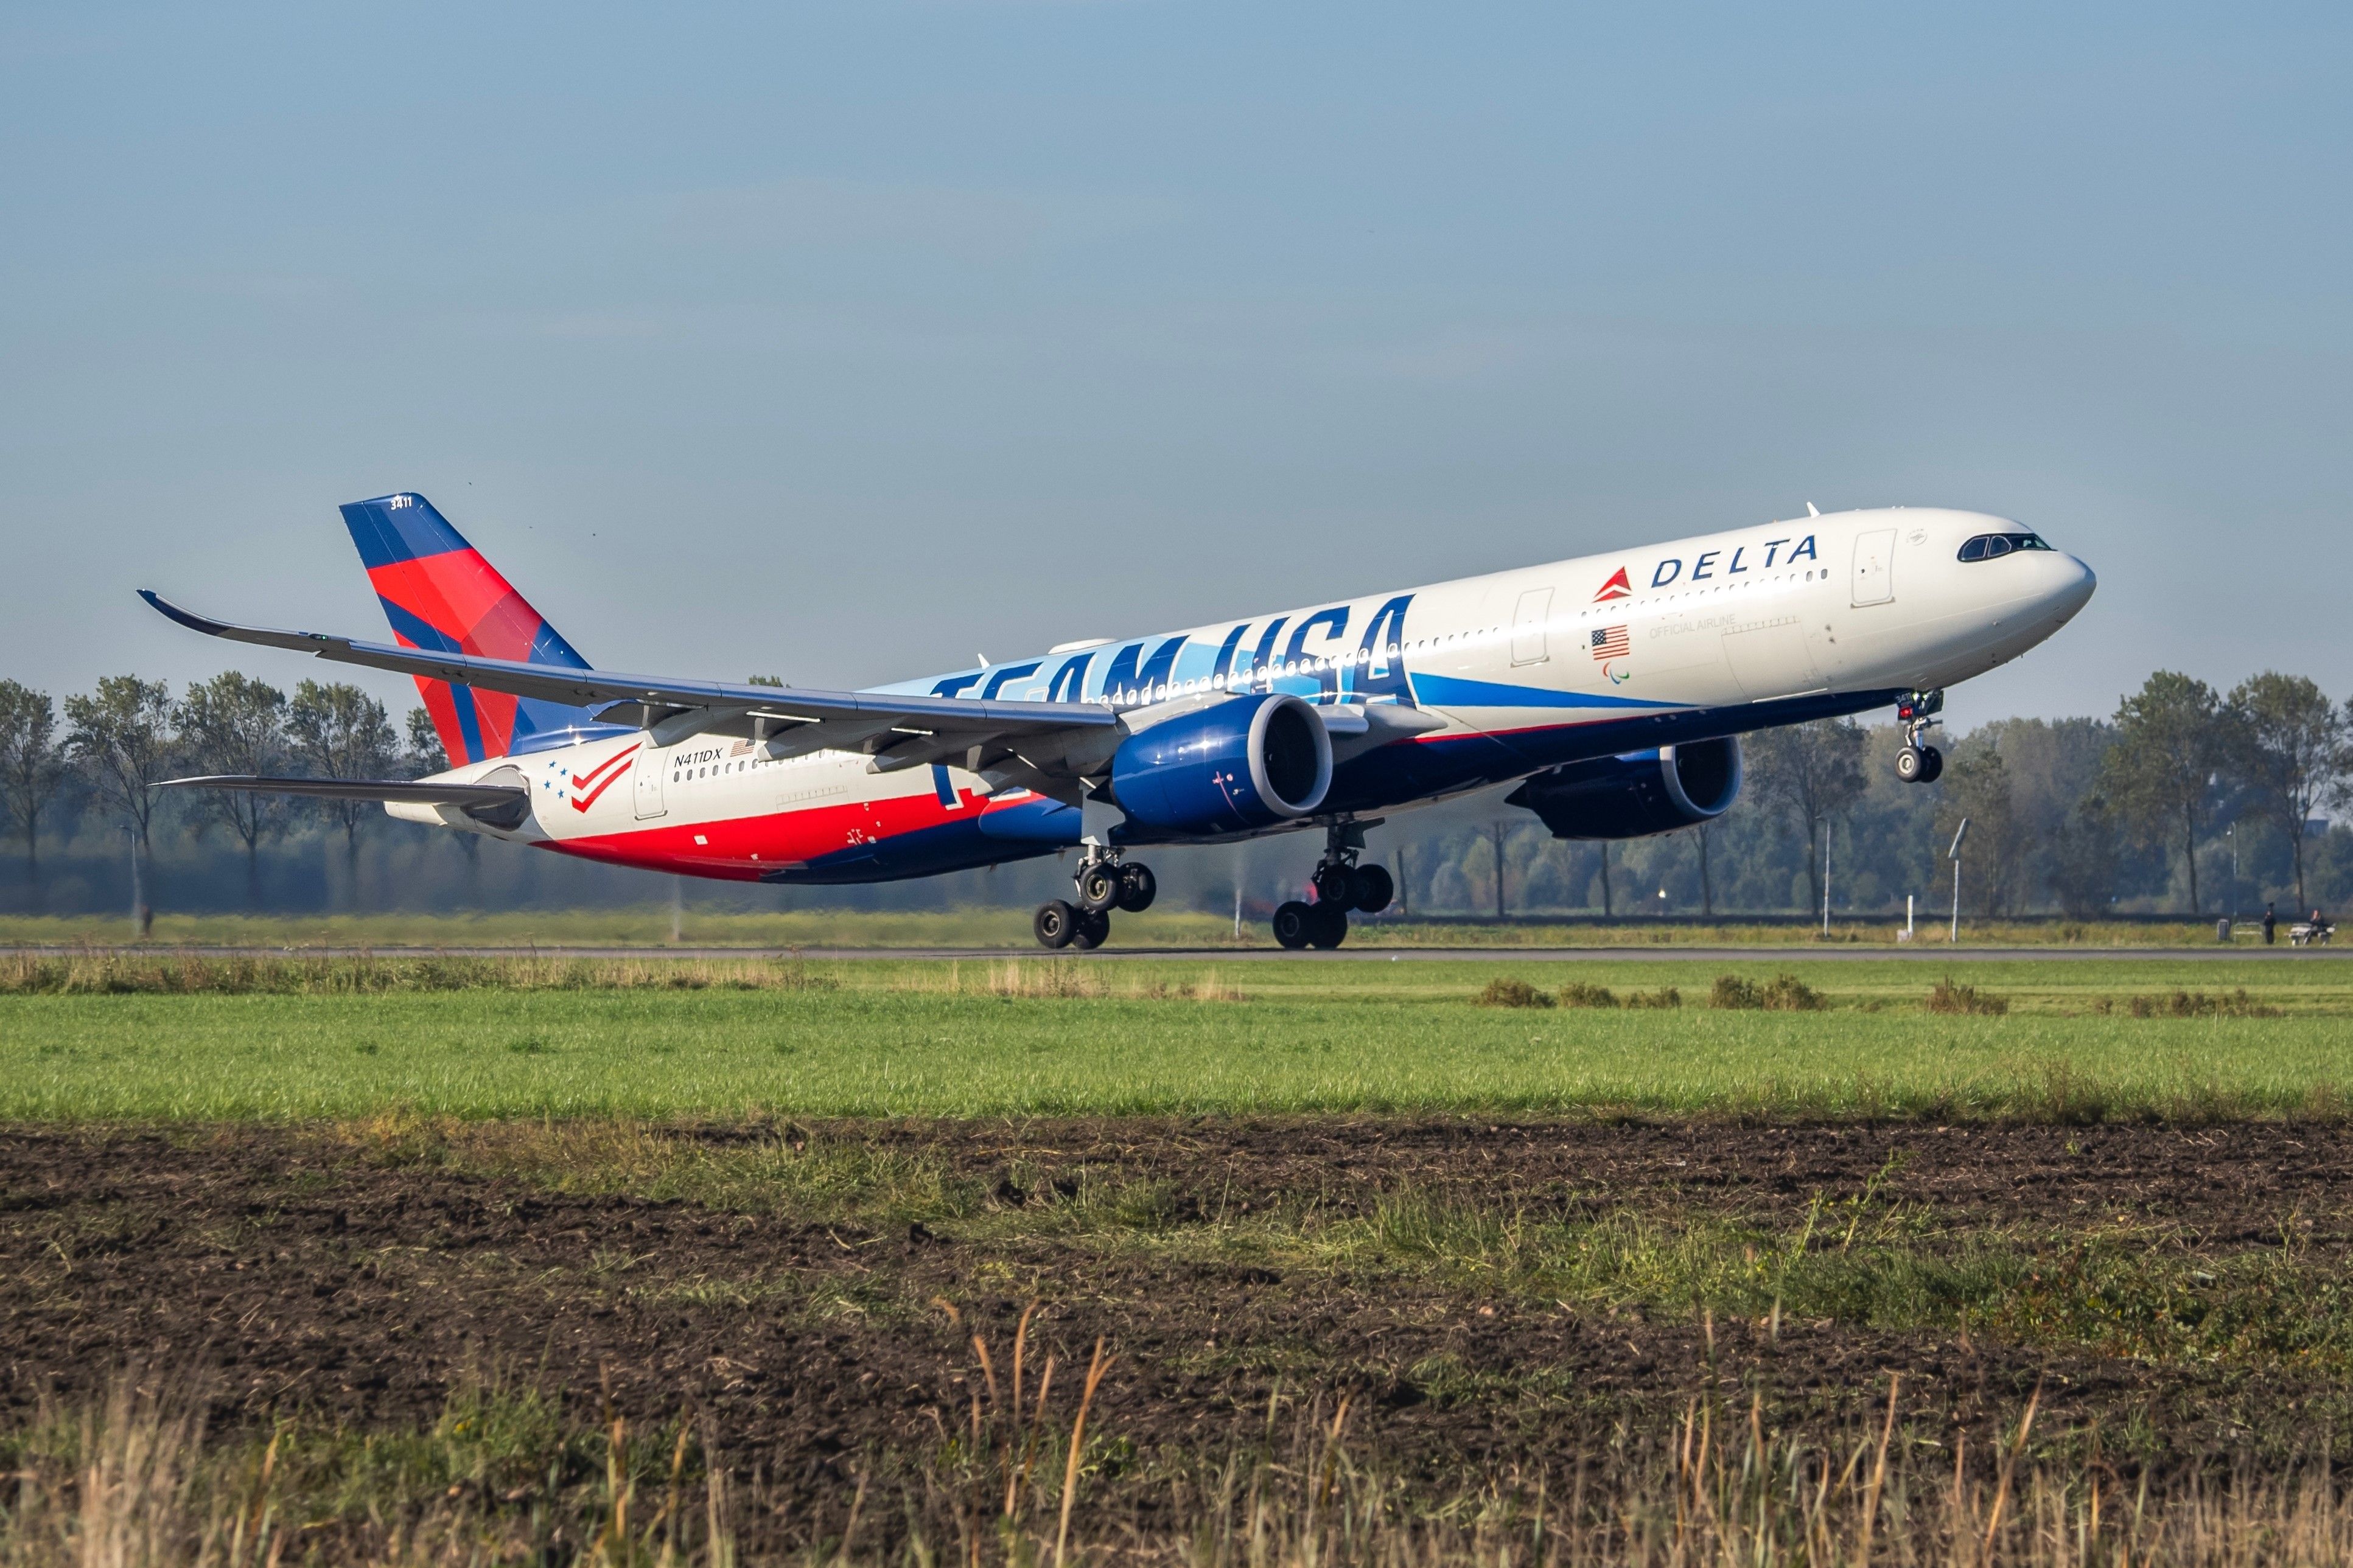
(1335, 884)
(1138, 888)
(1094, 930)
(1055, 924)
(1910, 764)
(1933, 764)
(1375, 889)
(1293, 923)
(1331, 926)
(1098, 887)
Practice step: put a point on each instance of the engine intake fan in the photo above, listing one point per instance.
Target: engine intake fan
(1244, 763)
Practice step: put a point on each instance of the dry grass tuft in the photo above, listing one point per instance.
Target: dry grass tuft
(1505, 992)
(2188, 1004)
(1584, 993)
(1782, 993)
(1949, 997)
(1026, 1464)
(97, 973)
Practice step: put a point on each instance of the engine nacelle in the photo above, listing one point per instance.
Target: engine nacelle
(1243, 764)
(1636, 794)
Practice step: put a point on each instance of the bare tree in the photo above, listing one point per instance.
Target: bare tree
(2081, 867)
(1978, 786)
(2287, 744)
(235, 724)
(123, 741)
(1811, 772)
(424, 752)
(2159, 774)
(341, 733)
(427, 755)
(32, 766)
(1706, 877)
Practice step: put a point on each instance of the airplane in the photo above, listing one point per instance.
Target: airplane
(1612, 689)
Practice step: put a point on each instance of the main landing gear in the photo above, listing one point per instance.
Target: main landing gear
(1916, 764)
(1340, 885)
(1103, 884)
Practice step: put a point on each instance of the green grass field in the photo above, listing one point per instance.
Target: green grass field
(1035, 1037)
(1009, 929)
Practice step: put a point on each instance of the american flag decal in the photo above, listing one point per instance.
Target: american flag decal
(1609, 642)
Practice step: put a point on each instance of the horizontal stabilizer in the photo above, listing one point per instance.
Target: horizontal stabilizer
(407, 792)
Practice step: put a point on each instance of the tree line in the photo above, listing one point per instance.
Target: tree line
(110, 749)
(2184, 799)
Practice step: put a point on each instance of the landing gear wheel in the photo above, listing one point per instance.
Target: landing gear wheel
(1335, 883)
(1098, 887)
(1137, 887)
(1294, 923)
(1375, 889)
(1910, 763)
(1331, 925)
(1932, 764)
(1055, 924)
(1094, 930)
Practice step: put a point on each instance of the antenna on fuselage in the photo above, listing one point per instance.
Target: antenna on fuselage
(1812, 510)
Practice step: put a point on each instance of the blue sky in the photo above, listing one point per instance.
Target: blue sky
(842, 343)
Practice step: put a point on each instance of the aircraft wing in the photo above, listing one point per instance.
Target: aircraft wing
(1039, 744)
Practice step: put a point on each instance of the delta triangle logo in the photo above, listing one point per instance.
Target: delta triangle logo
(1616, 588)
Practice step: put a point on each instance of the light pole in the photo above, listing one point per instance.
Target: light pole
(1826, 876)
(1953, 855)
(2231, 833)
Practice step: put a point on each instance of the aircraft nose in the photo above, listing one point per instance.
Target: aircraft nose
(2071, 586)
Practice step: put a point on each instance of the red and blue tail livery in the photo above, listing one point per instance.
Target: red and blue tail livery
(1615, 716)
(440, 594)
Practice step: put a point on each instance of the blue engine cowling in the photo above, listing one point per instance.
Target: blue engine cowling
(1636, 794)
(1243, 764)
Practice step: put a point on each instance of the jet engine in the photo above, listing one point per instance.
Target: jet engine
(1638, 794)
(1243, 764)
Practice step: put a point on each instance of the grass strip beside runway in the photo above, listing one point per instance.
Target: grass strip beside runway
(1041, 1037)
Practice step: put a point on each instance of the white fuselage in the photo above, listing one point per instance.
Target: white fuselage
(1854, 603)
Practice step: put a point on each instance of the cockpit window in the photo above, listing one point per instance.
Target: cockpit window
(1986, 546)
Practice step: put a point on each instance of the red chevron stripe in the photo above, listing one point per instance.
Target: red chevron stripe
(611, 770)
(614, 761)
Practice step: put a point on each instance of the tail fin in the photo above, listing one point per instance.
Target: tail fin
(440, 594)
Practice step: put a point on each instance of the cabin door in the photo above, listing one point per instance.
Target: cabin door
(652, 764)
(1528, 621)
(1874, 567)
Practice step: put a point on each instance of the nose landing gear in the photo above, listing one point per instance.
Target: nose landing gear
(1103, 884)
(1918, 764)
(1340, 885)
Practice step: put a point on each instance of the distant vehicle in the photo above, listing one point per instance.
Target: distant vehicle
(1613, 687)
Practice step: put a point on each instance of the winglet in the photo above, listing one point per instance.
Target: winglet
(296, 642)
(188, 618)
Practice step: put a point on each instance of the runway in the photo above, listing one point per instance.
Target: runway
(1917, 953)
